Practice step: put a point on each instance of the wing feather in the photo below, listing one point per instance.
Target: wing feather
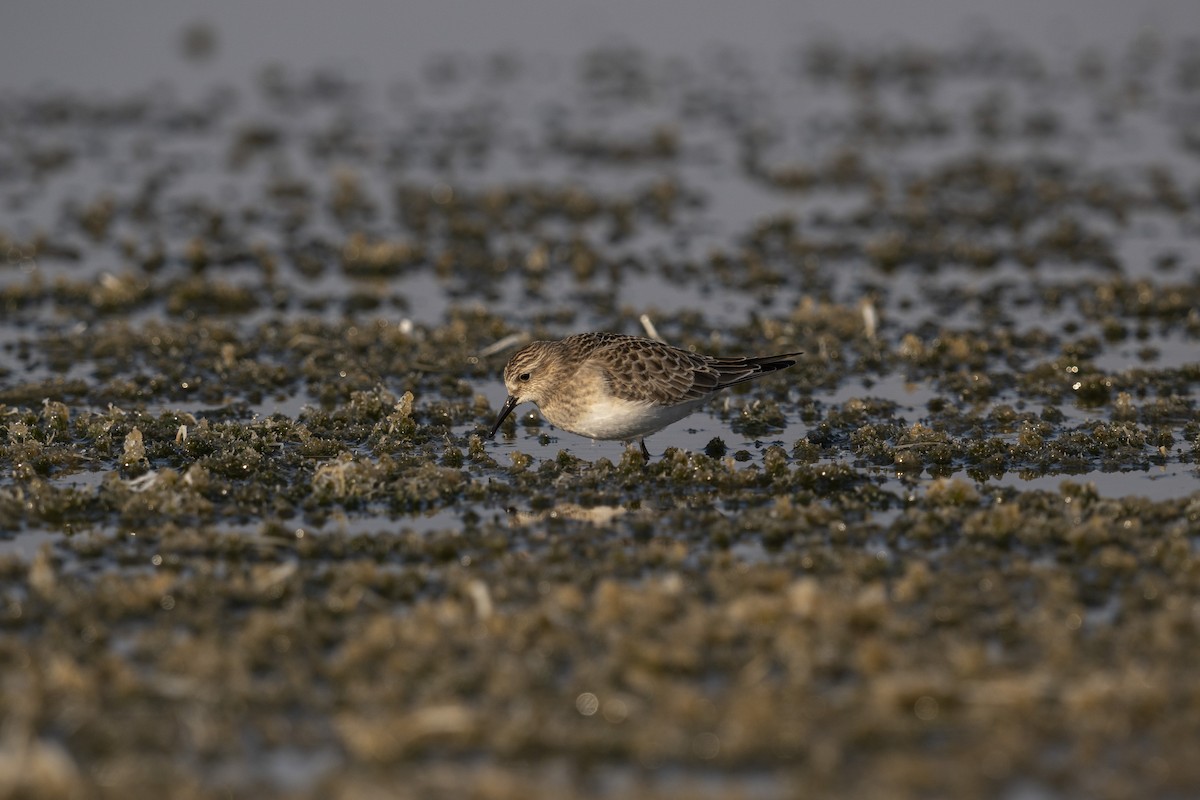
(646, 371)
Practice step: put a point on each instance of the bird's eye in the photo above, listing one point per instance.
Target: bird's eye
(524, 376)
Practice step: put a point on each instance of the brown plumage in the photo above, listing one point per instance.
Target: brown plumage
(611, 386)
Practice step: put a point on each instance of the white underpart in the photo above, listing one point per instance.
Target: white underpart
(626, 419)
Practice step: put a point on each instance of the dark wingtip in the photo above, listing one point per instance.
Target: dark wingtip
(509, 404)
(781, 361)
(732, 371)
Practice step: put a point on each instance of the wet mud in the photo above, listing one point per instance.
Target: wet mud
(254, 542)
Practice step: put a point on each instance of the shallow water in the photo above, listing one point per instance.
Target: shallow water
(956, 542)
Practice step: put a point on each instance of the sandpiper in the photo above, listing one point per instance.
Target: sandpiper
(611, 386)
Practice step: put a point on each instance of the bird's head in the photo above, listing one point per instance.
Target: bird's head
(529, 375)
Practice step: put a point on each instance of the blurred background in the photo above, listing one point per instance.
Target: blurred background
(125, 44)
(261, 264)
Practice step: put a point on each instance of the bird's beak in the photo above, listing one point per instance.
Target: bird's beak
(505, 410)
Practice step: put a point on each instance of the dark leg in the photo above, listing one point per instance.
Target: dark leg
(645, 452)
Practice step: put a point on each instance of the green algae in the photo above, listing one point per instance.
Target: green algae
(278, 532)
(825, 627)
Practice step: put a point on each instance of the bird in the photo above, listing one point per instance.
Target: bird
(618, 387)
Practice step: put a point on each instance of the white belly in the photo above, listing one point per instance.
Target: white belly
(624, 419)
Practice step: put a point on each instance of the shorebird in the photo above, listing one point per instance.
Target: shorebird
(612, 386)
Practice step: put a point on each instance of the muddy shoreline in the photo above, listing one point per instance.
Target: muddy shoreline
(253, 541)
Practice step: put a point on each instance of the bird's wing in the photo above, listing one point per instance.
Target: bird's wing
(650, 372)
(735, 370)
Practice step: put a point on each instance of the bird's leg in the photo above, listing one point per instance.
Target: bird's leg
(645, 452)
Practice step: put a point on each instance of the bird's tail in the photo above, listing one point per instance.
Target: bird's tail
(740, 369)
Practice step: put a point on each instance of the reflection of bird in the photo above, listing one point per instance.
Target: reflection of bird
(610, 386)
